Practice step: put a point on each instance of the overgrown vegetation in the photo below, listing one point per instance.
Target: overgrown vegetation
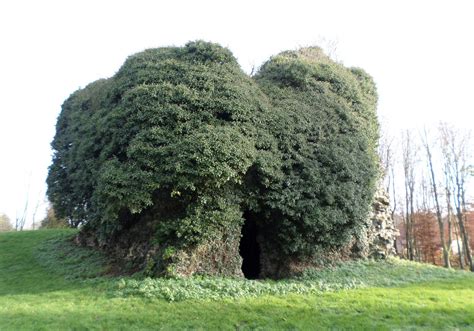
(174, 148)
(324, 118)
(37, 294)
(345, 276)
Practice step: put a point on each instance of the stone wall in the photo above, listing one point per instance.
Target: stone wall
(382, 232)
(221, 255)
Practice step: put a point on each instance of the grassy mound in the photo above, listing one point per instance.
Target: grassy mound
(61, 256)
(37, 292)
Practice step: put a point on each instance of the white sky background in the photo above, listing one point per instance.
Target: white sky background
(420, 54)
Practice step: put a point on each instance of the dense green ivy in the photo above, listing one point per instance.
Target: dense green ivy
(181, 141)
(324, 120)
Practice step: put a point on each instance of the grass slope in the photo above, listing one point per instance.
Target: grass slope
(46, 285)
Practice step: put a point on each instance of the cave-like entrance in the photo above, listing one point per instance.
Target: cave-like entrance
(249, 247)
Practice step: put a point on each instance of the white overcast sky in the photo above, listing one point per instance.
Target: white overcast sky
(420, 54)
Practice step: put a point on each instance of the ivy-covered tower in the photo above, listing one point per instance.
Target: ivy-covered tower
(181, 163)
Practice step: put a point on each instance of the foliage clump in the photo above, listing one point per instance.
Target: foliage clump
(180, 142)
(324, 120)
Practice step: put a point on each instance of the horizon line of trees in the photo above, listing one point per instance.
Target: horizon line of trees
(50, 221)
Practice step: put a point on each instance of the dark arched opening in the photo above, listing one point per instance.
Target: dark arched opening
(249, 247)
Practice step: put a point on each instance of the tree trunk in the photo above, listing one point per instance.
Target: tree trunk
(439, 217)
(465, 240)
(460, 251)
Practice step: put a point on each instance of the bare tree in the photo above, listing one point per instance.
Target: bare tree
(33, 216)
(434, 188)
(20, 219)
(330, 46)
(449, 211)
(408, 149)
(386, 151)
(424, 202)
(456, 154)
(459, 245)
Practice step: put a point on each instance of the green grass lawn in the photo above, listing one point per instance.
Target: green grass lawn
(47, 284)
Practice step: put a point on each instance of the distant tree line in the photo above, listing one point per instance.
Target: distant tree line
(427, 174)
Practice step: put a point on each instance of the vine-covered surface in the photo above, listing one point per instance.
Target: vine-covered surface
(162, 160)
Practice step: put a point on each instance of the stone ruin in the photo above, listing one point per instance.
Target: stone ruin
(382, 232)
